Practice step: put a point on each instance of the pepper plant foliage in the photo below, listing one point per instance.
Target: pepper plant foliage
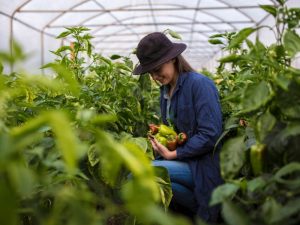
(69, 141)
(260, 158)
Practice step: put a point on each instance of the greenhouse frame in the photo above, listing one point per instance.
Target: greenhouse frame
(35, 24)
(150, 112)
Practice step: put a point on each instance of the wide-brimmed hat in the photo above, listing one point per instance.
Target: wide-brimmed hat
(154, 50)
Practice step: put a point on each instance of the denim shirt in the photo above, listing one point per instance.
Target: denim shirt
(197, 112)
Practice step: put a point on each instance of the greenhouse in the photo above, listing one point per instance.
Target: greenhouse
(149, 112)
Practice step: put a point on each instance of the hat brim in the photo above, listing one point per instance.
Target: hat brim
(177, 49)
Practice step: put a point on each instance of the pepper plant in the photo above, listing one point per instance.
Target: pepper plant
(69, 151)
(260, 94)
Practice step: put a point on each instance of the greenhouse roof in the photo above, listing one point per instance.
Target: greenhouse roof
(118, 25)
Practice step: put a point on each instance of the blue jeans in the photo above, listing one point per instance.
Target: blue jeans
(181, 182)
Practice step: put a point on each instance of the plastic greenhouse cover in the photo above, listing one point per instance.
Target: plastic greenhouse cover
(118, 25)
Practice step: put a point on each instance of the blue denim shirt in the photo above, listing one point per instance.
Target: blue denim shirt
(197, 112)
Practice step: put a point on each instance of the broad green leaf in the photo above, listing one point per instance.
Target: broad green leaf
(292, 129)
(264, 125)
(22, 179)
(283, 81)
(128, 154)
(223, 192)
(240, 37)
(291, 42)
(289, 175)
(164, 182)
(287, 211)
(256, 96)
(141, 142)
(232, 157)
(270, 209)
(30, 127)
(9, 204)
(256, 184)
(234, 215)
(66, 139)
(270, 9)
(68, 76)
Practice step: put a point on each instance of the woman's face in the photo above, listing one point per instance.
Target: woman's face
(165, 73)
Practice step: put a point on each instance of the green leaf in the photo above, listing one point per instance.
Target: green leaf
(287, 211)
(234, 215)
(292, 129)
(1, 68)
(289, 175)
(17, 51)
(283, 81)
(93, 155)
(122, 66)
(22, 179)
(64, 34)
(264, 125)
(9, 204)
(66, 139)
(48, 65)
(256, 96)
(230, 58)
(291, 42)
(240, 37)
(103, 119)
(62, 49)
(164, 183)
(256, 184)
(281, 2)
(232, 157)
(223, 192)
(174, 34)
(68, 76)
(216, 36)
(114, 57)
(270, 209)
(215, 41)
(270, 9)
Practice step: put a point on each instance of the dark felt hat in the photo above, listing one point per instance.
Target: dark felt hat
(154, 50)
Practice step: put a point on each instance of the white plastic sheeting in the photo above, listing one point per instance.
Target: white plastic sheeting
(118, 25)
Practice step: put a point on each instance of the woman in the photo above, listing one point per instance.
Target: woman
(190, 101)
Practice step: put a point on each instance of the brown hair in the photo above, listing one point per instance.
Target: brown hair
(182, 65)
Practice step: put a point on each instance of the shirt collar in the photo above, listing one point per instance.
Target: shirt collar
(180, 80)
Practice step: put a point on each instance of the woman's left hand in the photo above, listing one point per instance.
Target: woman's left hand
(162, 150)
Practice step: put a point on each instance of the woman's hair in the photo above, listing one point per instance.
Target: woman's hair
(182, 65)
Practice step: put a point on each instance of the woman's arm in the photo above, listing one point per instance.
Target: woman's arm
(208, 118)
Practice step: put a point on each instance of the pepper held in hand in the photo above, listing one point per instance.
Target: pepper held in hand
(167, 136)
